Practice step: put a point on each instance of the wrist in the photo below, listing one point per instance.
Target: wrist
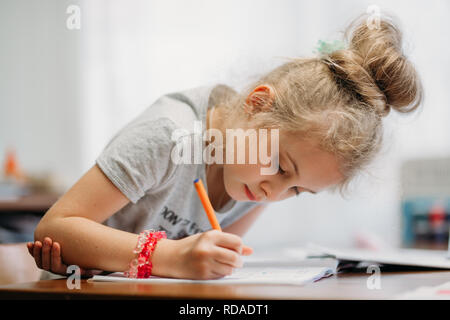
(163, 258)
(142, 266)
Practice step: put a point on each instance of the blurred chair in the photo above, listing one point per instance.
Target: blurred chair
(17, 265)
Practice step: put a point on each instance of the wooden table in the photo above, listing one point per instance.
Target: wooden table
(341, 286)
(38, 202)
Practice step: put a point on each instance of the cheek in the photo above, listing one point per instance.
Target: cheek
(231, 182)
(231, 178)
(241, 173)
(234, 176)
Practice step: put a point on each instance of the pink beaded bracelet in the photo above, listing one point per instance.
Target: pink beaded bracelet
(141, 267)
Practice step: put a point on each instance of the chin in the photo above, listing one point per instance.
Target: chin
(233, 192)
(233, 195)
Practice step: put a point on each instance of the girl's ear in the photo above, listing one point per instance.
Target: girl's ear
(260, 99)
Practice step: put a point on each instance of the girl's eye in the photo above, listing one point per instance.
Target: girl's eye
(281, 171)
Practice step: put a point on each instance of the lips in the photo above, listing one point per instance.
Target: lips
(249, 193)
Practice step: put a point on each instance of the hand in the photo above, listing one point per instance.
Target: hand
(48, 257)
(209, 255)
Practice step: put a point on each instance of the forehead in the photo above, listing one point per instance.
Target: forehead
(318, 169)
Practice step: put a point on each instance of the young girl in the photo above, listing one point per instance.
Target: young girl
(328, 110)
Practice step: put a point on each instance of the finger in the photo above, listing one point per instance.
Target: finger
(46, 257)
(37, 254)
(30, 246)
(221, 270)
(228, 257)
(246, 251)
(230, 241)
(216, 276)
(57, 265)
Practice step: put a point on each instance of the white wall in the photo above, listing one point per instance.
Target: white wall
(64, 93)
(40, 113)
(374, 207)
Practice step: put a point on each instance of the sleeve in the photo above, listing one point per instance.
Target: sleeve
(138, 158)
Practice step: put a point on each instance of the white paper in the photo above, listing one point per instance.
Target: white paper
(245, 275)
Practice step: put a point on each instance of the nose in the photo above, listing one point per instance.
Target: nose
(274, 190)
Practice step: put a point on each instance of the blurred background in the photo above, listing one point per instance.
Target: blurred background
(67, 85)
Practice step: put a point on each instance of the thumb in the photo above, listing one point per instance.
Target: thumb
(246, 251)
(30, 246)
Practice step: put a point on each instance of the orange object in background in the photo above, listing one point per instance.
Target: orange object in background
(11, 166)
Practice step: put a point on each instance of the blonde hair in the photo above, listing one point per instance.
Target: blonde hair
(340, 98)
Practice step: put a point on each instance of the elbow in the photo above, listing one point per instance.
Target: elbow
(43, 229)
(40, 231)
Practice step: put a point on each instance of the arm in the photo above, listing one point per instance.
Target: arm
(241, 226)
(75, 222)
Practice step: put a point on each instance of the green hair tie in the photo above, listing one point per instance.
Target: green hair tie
(324, 47)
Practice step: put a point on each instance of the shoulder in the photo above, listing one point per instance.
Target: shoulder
(182, 107)
(221, 93)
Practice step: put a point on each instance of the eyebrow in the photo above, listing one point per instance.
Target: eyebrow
(296, 171)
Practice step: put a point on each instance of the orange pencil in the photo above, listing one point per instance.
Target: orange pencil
(206, 204)
(210, 210)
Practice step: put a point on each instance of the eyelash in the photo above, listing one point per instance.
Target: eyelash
(281, 171)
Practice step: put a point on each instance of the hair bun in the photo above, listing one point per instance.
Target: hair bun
(375, 68)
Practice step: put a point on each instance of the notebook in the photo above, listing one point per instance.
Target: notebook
(393, 257)
(255, 273)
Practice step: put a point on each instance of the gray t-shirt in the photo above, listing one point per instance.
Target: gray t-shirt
(138, 162)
